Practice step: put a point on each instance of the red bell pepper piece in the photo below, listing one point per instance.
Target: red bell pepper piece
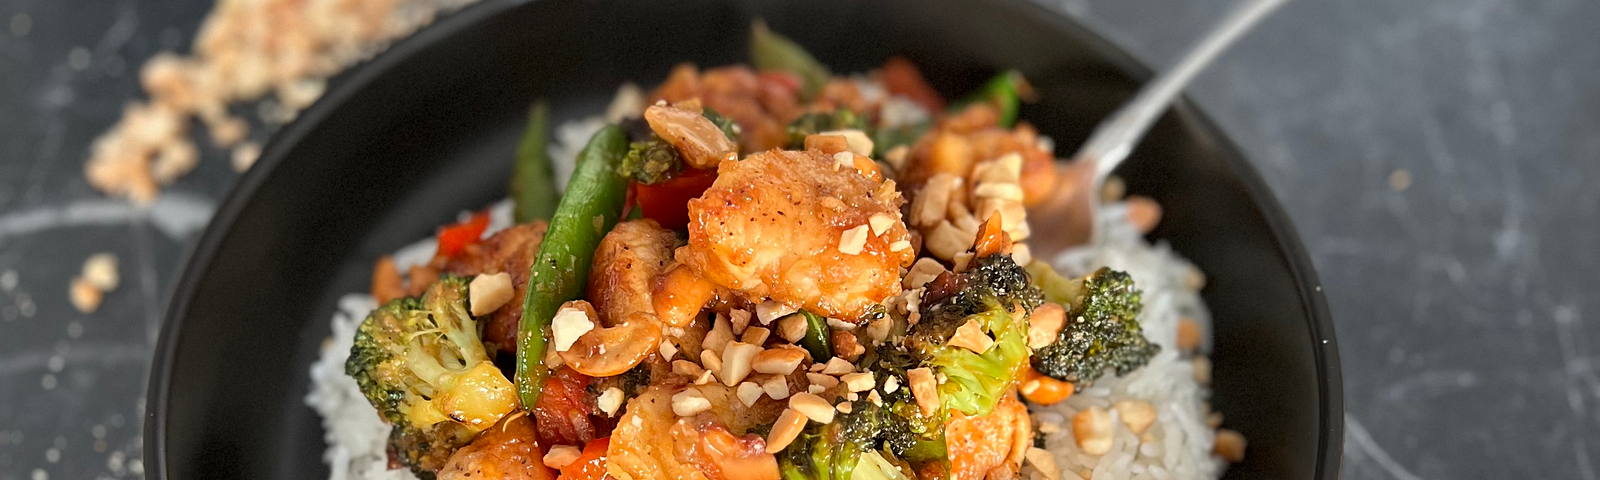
(454, 238)
(668, 202)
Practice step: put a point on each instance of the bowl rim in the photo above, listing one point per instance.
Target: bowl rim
(196, 263)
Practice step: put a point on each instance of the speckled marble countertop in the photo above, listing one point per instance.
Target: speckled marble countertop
(1439, 157)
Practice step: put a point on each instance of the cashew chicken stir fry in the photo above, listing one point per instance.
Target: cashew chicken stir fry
(758, 273)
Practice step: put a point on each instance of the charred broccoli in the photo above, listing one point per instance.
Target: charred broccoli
(1102, 331)
(422, 364)
(651, 161)
(995, 293)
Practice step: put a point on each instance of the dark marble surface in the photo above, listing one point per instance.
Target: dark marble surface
(1468, 302)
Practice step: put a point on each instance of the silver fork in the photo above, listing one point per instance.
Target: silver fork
(1116, 136)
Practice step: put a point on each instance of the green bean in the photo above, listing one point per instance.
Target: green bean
(589, 209)
(771, 51)
(818, 339)
(533, 184)
(1005, 91)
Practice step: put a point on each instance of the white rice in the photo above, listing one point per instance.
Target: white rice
(1181, 446)
(1181, 442)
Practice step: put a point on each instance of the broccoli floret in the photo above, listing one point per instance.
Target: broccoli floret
(422, 364)
(1102, 332)
(837, 450)
(651, 161)
(995, 293)
(817, 122)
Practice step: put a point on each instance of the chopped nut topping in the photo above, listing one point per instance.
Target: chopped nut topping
(686, 368)
(756, 335)
(569, 323)
(891, 384)
(946, 240)
(1044, 462)
(812, 406)
(787, 428)
(736, 362)
(1045, 324)
(1136, 414)
(860, 143)
(488, 293)
(101, 271)
(690, 402)
(610, 401)
(668, 350)
(859, 382)
(1092, 429)
(838, 366)
(971, 336)
(1229, 445)
(739, 319)
(1188, 334)
(748, 393)
(769, 310)
(924, 271)
(880, 222)
(792, 328)
(825, 381)
(778, 361)
(924, 389)
(776, 387)
(853, 240)
(899, 245)
(844, 407)
(838, 324)
(718, 337)
(84, 296)
(711, 361)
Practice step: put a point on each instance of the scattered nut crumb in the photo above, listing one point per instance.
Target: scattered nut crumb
(1092, 429)
(1230, 445)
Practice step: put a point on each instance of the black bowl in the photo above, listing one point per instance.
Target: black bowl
(428, 129)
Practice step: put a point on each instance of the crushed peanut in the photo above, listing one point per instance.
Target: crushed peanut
(778, 361)
(736, 360)
(776, 387)
(610, 401)
(1045, 324)
(711, 360)
(838, 366)
(84, 296)
(689, 402)
(970, 335)
(787, 428)
(101, 271)
(1092, 430)
(844, 407)
(769, 310)
(853, 241)
(924, 271)
(748, 393)
(812, 406)
(859, 382)
(1136, 414)
(880, 222)
(739, 319)
(792, 328)
(924, 389)
(824, 381)
(488, 293)
(755, 335)
(568, 324)
(1044, 462)
(1229, 445)
(668, 350)
(687, 368)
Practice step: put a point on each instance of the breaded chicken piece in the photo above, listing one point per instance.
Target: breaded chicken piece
(652, 442)
(989, 446)
(626, 264)
(509, 451)
(794, 226)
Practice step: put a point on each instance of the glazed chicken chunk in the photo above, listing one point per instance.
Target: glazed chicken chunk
(801, 229)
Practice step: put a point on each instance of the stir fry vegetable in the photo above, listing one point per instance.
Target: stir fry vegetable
(1005, 91)
(771, 51)
(589, 209)
(533, 184)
